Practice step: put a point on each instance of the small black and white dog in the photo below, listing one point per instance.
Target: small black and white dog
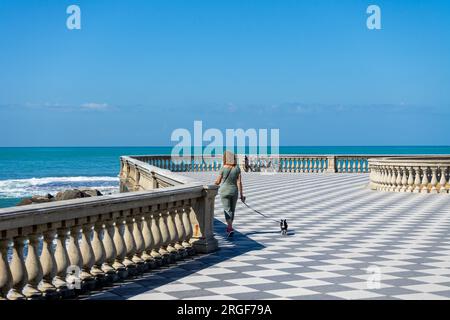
(284, 227)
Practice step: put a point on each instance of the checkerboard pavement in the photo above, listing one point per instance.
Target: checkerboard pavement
(342, 239)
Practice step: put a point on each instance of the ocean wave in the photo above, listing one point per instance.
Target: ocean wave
(19, 188)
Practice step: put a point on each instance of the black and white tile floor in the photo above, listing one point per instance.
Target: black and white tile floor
(345, 242)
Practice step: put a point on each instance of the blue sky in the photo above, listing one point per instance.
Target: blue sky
(137, 70)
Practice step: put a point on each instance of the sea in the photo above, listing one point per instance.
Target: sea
(34, 171)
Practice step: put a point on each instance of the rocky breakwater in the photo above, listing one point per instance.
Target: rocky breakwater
(62, 195)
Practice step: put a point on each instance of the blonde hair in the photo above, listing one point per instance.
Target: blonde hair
(229, 158)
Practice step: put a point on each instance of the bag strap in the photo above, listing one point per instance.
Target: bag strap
(227, 176)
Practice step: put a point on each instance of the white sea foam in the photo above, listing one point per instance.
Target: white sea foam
(18, 188)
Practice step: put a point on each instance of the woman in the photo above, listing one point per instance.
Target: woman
(230, 177)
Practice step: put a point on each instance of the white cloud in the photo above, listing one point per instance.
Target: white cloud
(95, 106)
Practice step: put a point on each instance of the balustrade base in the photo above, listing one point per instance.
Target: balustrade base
(51, 295)
(87, 283)
(66, 293)
(205, 245)
(16, 295)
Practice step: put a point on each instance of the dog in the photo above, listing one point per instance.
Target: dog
(284, 227)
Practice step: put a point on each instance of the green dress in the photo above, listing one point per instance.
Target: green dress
(229, 190)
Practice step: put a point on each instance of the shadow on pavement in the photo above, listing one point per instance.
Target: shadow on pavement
(228, 248)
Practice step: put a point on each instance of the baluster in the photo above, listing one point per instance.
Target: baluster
(417, 180)
(87, 256)
(34, 268)
(297, 165)
(393, 184)
(48, 263)
(110, 251)
(313, 165)
(139, 243)
(388, 177)
(120, 247)
(373, 178)
(443, 181)
(148, 241)
(5, 272)
(434, 180)
(355, 161)
(180, 231)
(62, 263)
(130, 246)
(411, 179)
(404, 180)
(381, 178)
(99, 253)
(387, 182)
(172, 233)
(425, 180)
(74, 252)
(156, 236)
(358, 165)
(398, 180)
(18, 269)
(187, 229)
(165, 238)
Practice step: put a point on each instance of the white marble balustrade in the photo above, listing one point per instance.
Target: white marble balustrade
(60, 249)
(408, 174)
(261, 163)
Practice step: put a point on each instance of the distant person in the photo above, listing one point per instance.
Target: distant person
(246, 164)
(231, 187)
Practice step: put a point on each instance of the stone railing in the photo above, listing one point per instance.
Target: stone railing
(63, 248)
(281, 163)
(428, 174)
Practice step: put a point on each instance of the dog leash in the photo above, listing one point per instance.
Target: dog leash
(260, 213)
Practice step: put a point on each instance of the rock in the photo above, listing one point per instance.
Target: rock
(91, 193)
(69, 194)
(24, 202)
(36, 199)
(76, 194)
(62, 195)
(42, 199)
